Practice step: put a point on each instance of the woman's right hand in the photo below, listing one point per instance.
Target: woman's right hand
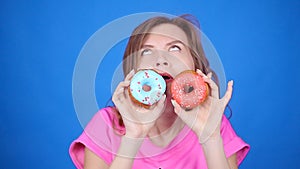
(137, 119)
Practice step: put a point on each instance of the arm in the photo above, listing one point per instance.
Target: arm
(213, 143)
(210, 137)
(138, 121)
(207, 118)
(92, 161)
(233, 164)
(215, 155)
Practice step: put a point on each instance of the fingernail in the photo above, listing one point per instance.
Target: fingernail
(172, 101)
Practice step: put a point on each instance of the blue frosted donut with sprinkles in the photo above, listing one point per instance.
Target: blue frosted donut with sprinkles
(146, 87)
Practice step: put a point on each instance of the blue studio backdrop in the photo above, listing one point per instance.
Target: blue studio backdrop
(257, 41)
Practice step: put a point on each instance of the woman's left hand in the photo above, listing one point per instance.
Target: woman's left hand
(205, 119)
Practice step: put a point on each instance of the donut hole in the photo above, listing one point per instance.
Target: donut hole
(146, 88)
(188, 89)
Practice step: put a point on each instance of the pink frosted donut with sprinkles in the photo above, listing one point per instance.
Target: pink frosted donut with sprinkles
(189, 89)
(146, 87)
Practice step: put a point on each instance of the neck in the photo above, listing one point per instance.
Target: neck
(165, 129)
(163, 123)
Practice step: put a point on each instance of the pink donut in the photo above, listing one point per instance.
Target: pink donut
(189, 89)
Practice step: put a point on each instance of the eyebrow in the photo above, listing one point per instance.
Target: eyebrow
(147, 46)
(168, 44)
(174, 42)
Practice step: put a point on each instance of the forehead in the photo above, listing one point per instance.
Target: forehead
(170, 31)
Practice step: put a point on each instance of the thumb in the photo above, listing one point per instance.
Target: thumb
(228, 93)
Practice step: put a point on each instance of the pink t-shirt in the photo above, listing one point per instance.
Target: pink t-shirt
(184, 151)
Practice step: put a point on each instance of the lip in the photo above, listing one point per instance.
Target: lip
(167, 77)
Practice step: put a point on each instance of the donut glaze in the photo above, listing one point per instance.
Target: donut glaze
(146, 87)
(189, 89)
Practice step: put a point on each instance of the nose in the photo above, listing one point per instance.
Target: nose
(161, 61)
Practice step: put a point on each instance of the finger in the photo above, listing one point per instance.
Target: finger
(177, 108)
(144, 115)
(121, 87)
(161, 102)
(188, 117)
(129, 75)
(201, 73)
(211, 83)
(228, 93)
(124, 84)
(209, 75)
(213, 87)
(119, 92)
(159, 108)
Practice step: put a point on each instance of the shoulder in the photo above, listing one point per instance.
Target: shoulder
(97, 137)
(107, 115)
(105, 119)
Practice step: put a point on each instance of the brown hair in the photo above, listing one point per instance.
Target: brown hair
(188, 23)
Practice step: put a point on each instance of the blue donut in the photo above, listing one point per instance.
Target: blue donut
(147, 87)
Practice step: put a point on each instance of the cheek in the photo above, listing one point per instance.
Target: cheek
(145, 62)
(188, 61)
(191, 63)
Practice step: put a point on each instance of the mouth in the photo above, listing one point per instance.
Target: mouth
(167, 77)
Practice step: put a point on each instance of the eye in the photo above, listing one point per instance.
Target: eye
(174, 48)
(146, 52)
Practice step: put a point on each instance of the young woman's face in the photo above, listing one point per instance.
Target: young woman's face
(166, 51)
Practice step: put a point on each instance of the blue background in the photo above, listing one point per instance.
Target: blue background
(258, 42)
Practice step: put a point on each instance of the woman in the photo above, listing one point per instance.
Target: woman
(165, 135)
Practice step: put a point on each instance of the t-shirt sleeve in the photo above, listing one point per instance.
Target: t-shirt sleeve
(96, 137)
(233, 144)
